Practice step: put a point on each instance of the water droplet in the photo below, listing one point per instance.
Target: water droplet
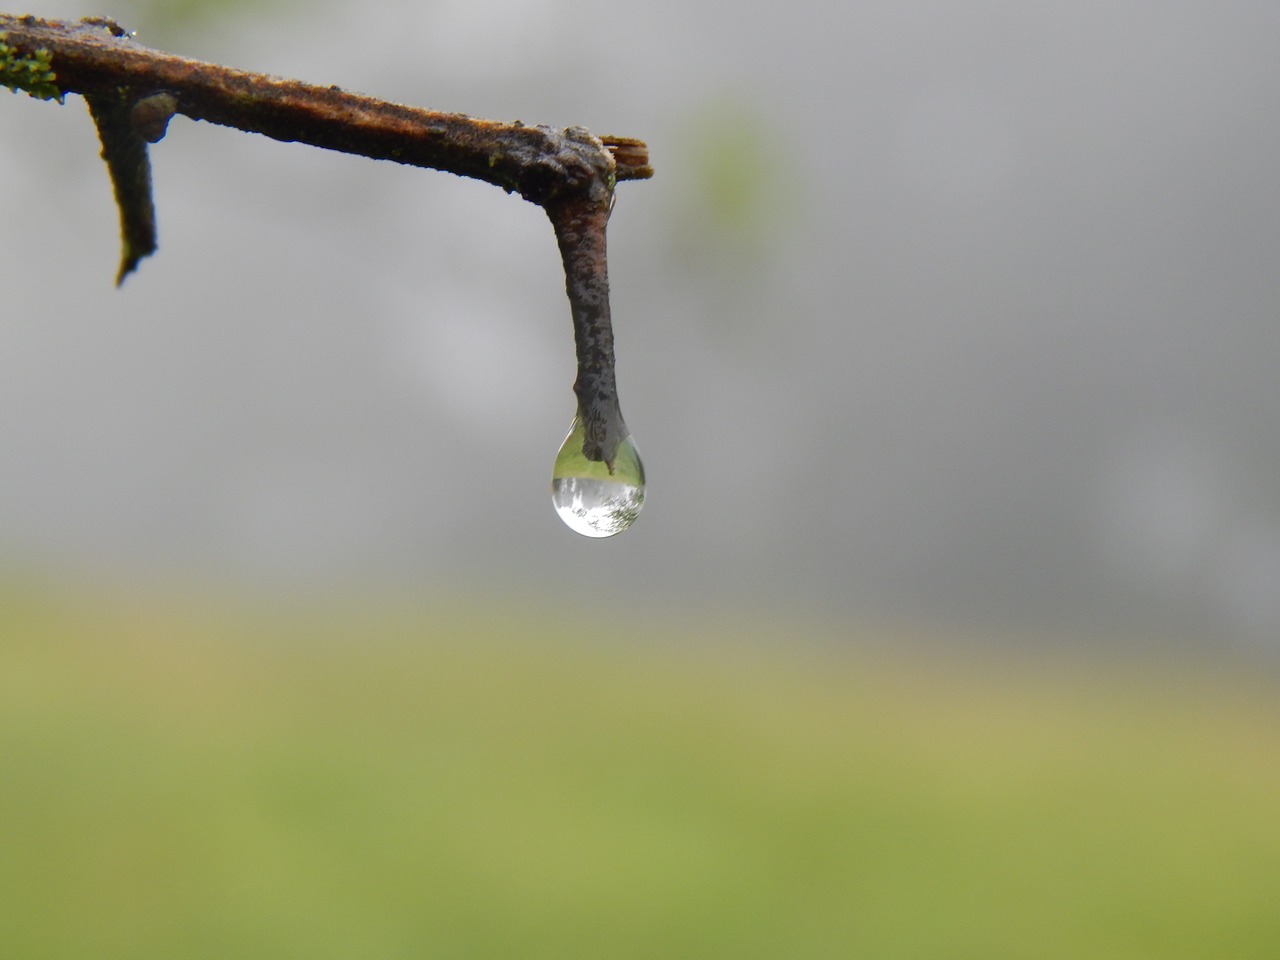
(592, 498)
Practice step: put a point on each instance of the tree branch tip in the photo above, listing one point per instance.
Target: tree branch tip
(630, 156)
(128, 264)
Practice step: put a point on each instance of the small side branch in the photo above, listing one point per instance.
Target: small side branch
(125, 151)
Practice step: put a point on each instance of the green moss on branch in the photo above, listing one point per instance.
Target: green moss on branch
(31, 73)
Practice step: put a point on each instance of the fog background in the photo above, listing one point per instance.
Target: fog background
(962, 313)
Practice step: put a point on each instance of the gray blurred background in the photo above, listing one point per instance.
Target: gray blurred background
(957, 313)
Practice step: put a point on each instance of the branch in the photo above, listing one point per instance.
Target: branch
(101, 61)
(580, 232)
(133, 91)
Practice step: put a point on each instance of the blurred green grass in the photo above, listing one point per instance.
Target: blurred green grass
(186, 778)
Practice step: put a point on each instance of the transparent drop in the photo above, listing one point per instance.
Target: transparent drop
(590, 499)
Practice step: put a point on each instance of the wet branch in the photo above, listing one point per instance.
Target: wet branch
(133, 90)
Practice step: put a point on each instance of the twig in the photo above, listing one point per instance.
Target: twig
(132, 92)
(580, 230)
(125, 151)
(98, 59)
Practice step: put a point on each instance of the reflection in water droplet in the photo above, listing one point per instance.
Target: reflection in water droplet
(592, 499)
